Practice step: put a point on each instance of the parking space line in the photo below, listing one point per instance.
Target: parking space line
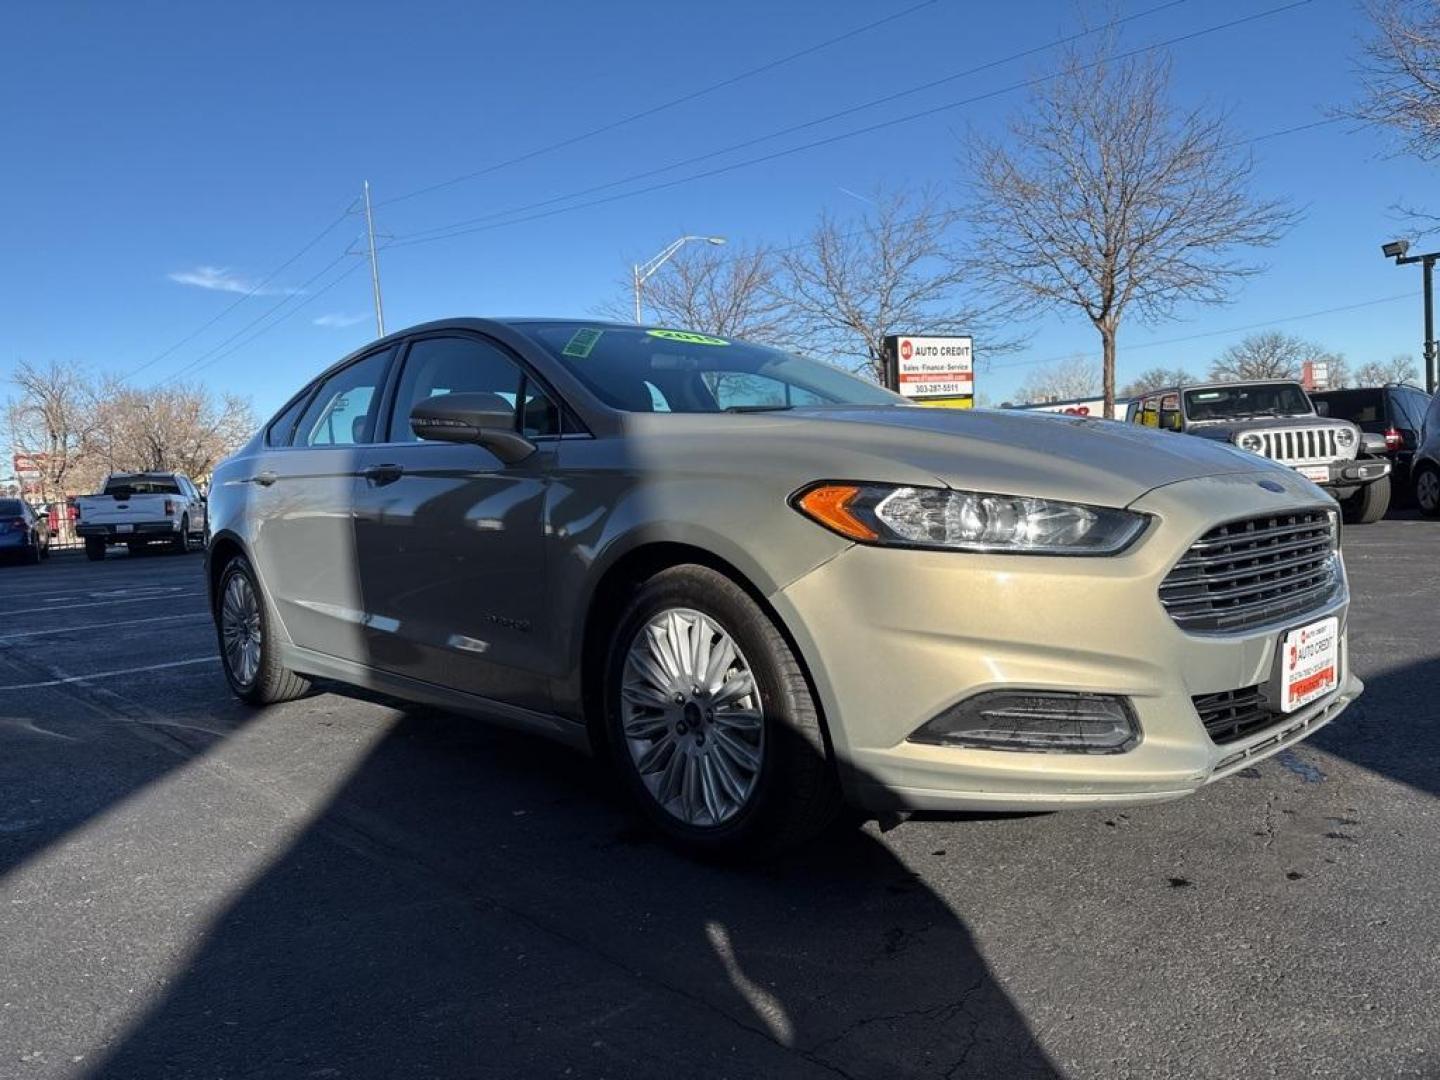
(101, 603)
(92, 590)
(111, 674)
(103, 626)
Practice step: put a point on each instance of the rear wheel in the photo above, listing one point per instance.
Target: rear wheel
(1427, 490)
(33, 552)
(1369, 504)
(94, 549)
(181, 544)
(247, 647)
(710, 720)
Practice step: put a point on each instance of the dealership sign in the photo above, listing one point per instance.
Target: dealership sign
(931, 369)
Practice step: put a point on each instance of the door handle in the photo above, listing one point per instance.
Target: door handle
(266, 478)
(382, 474)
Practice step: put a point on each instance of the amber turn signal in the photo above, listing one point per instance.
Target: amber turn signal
(829, 504)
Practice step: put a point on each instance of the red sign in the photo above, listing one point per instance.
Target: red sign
(906, 349)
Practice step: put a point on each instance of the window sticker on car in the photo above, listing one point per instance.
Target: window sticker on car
(687, 337)
(581, 343)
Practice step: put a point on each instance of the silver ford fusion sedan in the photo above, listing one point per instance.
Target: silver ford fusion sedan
(761, 587)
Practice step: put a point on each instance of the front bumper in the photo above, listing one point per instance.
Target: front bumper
(1352, 474)
(893, 637)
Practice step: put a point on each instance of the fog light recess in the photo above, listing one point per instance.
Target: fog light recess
(1037, 722)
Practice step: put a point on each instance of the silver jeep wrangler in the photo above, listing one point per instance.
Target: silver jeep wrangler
(1275, 419)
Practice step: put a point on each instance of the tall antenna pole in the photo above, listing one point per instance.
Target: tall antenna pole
(374, 265)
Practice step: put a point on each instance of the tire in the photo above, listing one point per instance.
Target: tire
(794, 793)
(94, 549)
(1369, 504)
(32, 554)
(261, 679)
(1427, 490)
(181, 544)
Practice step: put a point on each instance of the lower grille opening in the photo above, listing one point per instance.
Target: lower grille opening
(1234, 714)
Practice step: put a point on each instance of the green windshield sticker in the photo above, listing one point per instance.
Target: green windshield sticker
(581, 343)
(687, 337)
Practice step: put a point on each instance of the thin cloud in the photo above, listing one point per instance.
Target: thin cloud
(220, 279)
(336, 319)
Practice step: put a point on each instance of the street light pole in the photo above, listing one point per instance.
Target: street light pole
(1399, 251)
(644, 271)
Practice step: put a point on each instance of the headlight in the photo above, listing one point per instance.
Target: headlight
(1250, 441)
(967, 520)
(1345, 437)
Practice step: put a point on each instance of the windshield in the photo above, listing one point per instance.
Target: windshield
(1242, 401)
(141, 485)
(642, 370)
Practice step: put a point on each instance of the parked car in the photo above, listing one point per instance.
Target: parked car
(1425, 468)
(1274, 418)
(24, 534)
(1395, 411)
(758, 584)
(140, 509)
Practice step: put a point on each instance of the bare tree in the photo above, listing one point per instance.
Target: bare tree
(182, 428)
(849, 286)
(1400, 76)
(1398, 369)
(1075, 377)
(1156, 378)
(1111, 199)
(713, 290)
(1267, 355)
(51, 421)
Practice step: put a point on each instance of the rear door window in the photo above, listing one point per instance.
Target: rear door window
(342, 412)
(283, 426)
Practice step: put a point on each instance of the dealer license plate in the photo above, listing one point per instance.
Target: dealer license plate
(1310, 663)
(1318, 473)
(124, 528)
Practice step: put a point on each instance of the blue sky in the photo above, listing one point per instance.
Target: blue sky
(163, 158)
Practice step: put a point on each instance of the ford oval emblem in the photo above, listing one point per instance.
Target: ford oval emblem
(1270, 485)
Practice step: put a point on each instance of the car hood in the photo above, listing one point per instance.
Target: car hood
(1046, 455)
(1218, 428)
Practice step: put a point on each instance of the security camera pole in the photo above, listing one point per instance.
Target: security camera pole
(1399, 251)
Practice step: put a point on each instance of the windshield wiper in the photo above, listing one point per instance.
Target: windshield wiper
(757, 408)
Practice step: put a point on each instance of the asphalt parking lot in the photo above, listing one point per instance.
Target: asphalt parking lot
(341, 888)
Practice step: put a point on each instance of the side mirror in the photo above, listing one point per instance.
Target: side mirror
(1372, 444)
(1322, 408)
(485, 419)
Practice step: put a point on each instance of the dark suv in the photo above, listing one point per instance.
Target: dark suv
(1425, 468)
(1395, 411)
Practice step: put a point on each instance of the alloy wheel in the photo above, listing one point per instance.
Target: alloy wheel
(1427, 490)
(692, 717)
(240, 629)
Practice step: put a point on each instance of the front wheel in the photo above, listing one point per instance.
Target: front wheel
(710, 720)
(1369, 504)
(247, 646)
(1427, 490)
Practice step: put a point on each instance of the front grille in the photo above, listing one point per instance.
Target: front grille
(1233, 714)
(1252, 572)
(1301, 445)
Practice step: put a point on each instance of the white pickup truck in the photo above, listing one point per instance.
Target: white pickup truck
(138, 509)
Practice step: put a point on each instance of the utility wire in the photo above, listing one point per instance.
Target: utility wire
(199, 362)
(662, 107)
(253, 291)
(417, 238)
(803, 126)
(1216, 333)
(309, 299)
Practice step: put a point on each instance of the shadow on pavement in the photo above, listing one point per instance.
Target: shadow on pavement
(475, 904)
